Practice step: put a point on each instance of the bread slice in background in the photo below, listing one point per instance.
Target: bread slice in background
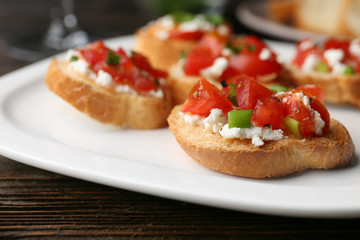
(161, 53)
(330, 17)
(274, 159)
(106, 105)
(338, 89)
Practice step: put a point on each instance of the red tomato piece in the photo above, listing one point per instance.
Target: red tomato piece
(143, 83)
(177, 34)
(197, 59)
(302, 114)
(143, 63)
(248, 62)
(255, 43)
(312, 90)
(248, 92)
(321, 109)
(203, 97)
(337, 43)
(270, 111)
(214, 42)
(94, 52)
(127, 71)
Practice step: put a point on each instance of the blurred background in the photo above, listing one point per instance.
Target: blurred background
(32, 30)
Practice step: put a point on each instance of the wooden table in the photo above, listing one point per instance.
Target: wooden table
(37, 204)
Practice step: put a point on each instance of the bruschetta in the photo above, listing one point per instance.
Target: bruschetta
(164, 39)
(216, 59)
(334, 65)
(250, 131)
(112, 87)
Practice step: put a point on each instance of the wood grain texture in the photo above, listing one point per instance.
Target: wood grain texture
(37, 204)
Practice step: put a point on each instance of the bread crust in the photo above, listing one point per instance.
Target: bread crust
(104, 105)
(338, 89)
(161, 53)
(274, 159)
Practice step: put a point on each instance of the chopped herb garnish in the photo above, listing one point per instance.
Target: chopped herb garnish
(74, 58)
(349, 70)
(181, 16)
(216, 19)
(112, 59)
(252, 47)
(234, 49)
(183, 54)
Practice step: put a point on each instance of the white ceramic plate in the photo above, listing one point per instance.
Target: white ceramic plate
(40, 129)
(254, 15)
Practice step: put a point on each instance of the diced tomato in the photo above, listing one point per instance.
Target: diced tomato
(203, 97)
(144, 83)
(247, 60)
(203, 54)
(255, 43)
(297, 110)
(270, 111)
(214, 42)
(312, 90)
(178, 34)
(127, 71)
(142, 62)
(197, 59)
(248, 91)
(248, 63)
(301, 56)
(338, 43)
(321, 109)
(94, 52)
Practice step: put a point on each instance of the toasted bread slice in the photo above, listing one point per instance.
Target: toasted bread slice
(338, 89)
(161, 53)
(106, 105)
(274, 159)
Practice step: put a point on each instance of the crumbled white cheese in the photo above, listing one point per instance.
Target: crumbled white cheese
(303, 98)
(103, 79)
(319, 123)
(124, 88)
(339, 68)
(80, 66)
(166, 21)
(71, 53)
(257, 134)
(215, 121)
(334, 56)
(309, 43)
(162, 35)
(354, 47)
(265, 54)
(310, 63)
(280, 94)
(199, 23)
(156, 93)
(226, 52)
(193, 119)
(222, 30)
(215, 70)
